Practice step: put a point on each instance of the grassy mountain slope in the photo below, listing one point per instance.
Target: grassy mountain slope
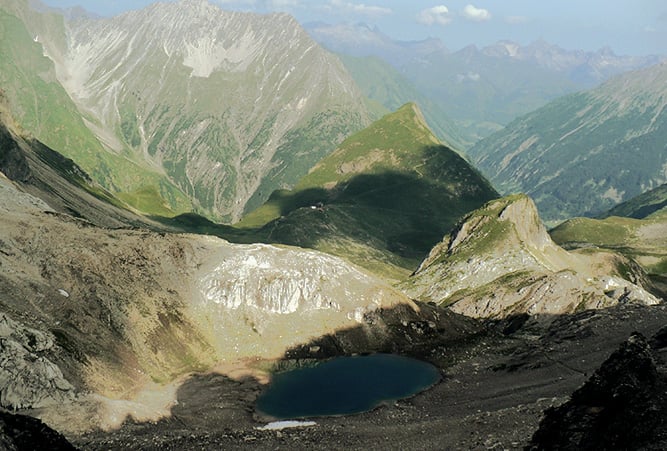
(636, 228)
(584, 153)
(499, 261)
(381, 200)
(382, 83)
(228, 105)
(650, 203)
(56, 180)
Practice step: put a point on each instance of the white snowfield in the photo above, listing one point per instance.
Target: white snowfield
(279, 425)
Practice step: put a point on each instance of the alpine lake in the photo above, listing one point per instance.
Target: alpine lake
(344, 386)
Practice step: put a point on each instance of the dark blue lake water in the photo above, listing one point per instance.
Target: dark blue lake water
(345, 385)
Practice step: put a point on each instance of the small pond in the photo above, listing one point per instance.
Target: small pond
(345, 385)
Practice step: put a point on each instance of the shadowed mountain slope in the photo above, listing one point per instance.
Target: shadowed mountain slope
(57, 181)
(382, 199)
(650, 203)
(622, 406)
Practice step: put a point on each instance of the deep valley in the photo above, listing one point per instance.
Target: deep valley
(194, 201)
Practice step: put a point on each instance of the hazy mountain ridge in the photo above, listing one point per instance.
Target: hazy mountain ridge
(360, 40)
(586, 152)
(382, 83)
(483, 89)
(582, 67)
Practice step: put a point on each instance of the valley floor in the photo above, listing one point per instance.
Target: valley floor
(492, 396)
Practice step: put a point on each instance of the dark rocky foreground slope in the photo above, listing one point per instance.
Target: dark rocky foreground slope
(622, 406)
(20, 432)
(493, 394)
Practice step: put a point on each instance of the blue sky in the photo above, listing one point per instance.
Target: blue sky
(637, 27)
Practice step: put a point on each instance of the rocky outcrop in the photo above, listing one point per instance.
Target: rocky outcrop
(28, 379)
(500, 261)
(622, 406)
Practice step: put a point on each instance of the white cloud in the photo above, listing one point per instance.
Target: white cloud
(438, 15)
(258, 4)
(516, 20)
(473, 13)
(283, 3)
(360, 8)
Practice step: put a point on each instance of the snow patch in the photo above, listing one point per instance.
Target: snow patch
(279, 425)
(284, 281)
(205, 55)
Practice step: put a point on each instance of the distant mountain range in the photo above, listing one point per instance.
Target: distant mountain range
(482, 90)
(586, 152)
(361, 40)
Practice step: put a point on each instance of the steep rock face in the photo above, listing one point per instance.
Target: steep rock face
(230, 106)
(584, 153)
(28, 379)
(500, 261)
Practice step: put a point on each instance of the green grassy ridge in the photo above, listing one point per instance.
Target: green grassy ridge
(614, 232)
(619, 234)
(399, 143)
(645, 205)
(44, 109)
(381, 200)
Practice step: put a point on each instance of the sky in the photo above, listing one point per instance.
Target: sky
(629, 27)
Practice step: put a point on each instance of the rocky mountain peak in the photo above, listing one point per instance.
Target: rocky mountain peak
(500, 260)
(508, 221)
